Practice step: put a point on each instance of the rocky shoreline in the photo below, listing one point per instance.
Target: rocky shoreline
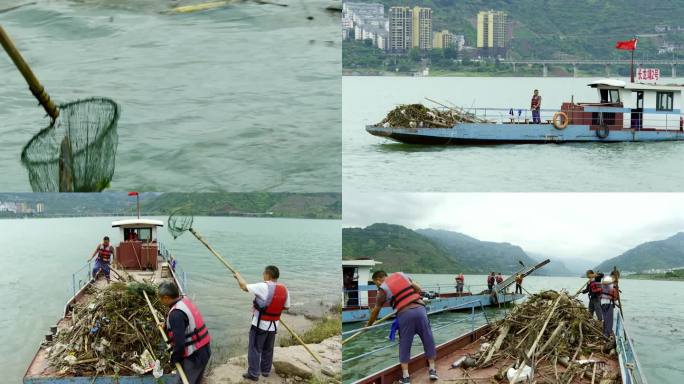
(291, 365)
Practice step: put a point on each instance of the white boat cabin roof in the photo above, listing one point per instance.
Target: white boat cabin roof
(621, 84)
(137, 223)
(360, 263)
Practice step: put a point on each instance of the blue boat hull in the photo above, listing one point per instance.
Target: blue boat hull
(463, 302)
(492, 134)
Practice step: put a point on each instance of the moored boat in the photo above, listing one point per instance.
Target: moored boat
(140, 257)
(359, 292)
(624, 112)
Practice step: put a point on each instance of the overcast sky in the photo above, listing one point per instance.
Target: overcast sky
(562, 225)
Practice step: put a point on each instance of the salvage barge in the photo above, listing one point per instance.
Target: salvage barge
(359, 292)
(602, 365)
(140, 258)
(624, 112)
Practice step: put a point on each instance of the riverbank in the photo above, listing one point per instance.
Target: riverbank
(291, 362)
(677, 275)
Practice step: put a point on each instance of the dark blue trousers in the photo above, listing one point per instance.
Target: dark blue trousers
(260, 351)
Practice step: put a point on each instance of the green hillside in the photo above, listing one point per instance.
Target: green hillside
(398, 248)
(309, 205)
(306, 205)
(661, 254)
(432, 251)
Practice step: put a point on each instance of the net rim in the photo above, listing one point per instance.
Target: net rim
(116, 109)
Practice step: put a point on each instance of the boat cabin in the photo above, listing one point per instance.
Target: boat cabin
(356, 278)
(624, 105)
(138, 246)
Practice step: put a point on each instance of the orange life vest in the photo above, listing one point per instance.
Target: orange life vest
(274, 305)
(460, 278)
(499, 279)
(196, 333)
(402, 291)
(490, 280)
(104, 253)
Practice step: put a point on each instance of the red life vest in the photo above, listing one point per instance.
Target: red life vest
(460, 278)
(196, 333)
(536, 100)
(402, 291)
(275, 303)
(104, 253)
(490, 280)
(499, 279)
(595, 287)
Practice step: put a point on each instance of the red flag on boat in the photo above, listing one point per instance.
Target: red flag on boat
(629, 45)
(132, 193)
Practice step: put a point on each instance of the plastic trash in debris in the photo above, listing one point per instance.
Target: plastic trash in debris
(484, 347)
(95, 328)
(157, 371)
(524, 373)
(70, 359)
(458, 362)
(147, 361)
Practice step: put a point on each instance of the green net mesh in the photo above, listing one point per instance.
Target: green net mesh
(77, 152)
(179, 221)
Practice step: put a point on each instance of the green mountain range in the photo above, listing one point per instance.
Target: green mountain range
(435, 251)
(296, 205)
(661, 254)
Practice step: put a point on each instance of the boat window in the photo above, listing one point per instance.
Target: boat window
(614, 96)
(604, 95)
(640, 100)
(664, 101)
(138, 234)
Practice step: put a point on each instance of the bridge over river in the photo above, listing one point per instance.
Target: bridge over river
(606, 63)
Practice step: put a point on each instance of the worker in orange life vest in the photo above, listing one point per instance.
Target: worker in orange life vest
(105, 256)
(594, 290)
(404, 297)
(460, 280)
(535, 106)
(271, 298)
(188, 334)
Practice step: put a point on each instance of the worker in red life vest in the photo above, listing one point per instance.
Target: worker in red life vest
(404, 297)
(491, 279)
(105, 255)
(460, 280)
(499, 278)
(535, 105)
(271, 298)
(608, 297)
(594, 290)
(188, 334)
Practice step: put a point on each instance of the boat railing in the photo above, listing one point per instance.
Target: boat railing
(352, 299)
(177, 271)
(473, 315)
(591, 114)
(630, 368)
(81, 277)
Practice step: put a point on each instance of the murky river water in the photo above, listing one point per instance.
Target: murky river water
(39, 256)
(242, 98)
(654, 314)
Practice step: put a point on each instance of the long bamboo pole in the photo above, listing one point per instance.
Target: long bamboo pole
(364, 329)
(181, 372)
(230, 267)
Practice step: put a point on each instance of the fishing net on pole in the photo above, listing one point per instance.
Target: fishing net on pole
(179, 222)
(77, 152)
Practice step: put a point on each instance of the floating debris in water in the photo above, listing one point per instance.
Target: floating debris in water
(111, 333)
(420, 116)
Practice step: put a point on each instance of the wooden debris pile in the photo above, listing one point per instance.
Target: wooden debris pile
(111, 333)
(553, 334)
(420, 116)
